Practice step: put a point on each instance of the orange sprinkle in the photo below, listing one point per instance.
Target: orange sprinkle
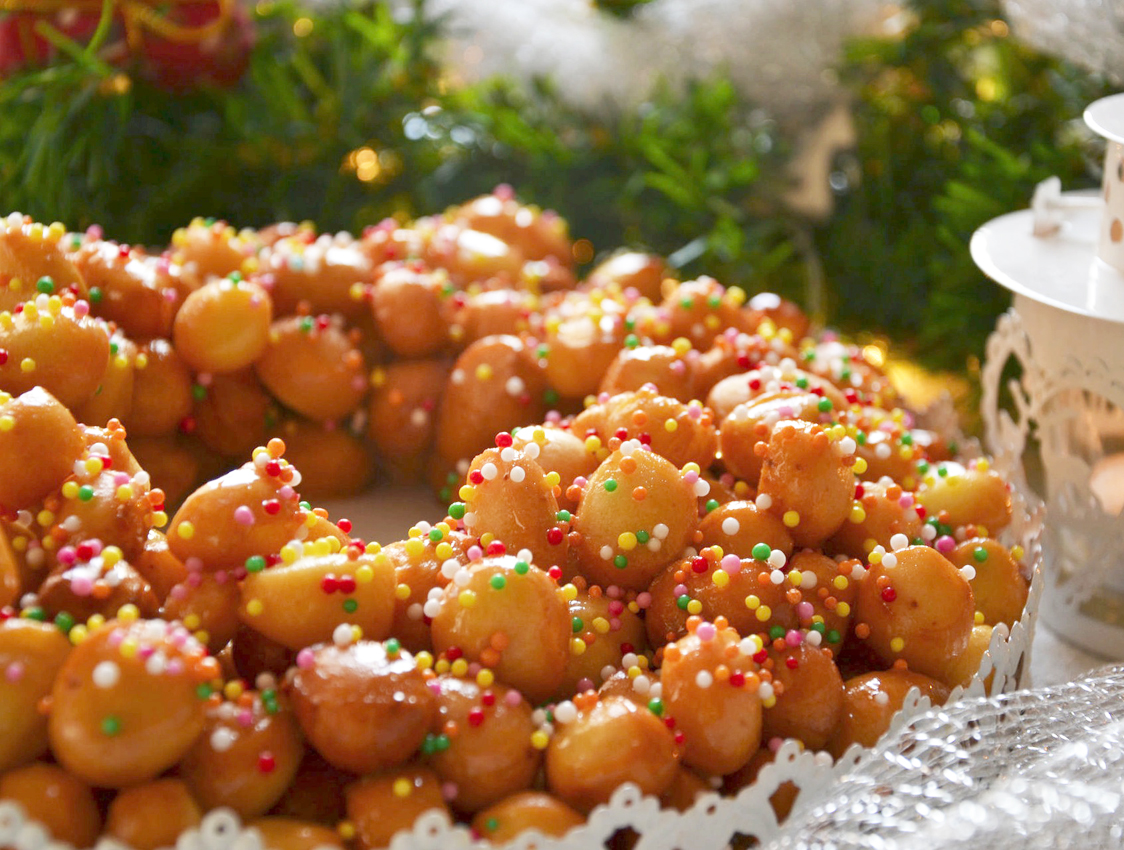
(759, 448)
(627, 464)
(640, 418)
(276, 447)
(721, 623)
(693, 622)
(671, 652)
(489, 657)
(883, 582)
(499, 641)
(640, 494)
(862, 631)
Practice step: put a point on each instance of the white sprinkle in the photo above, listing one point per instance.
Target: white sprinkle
(419, 417)
(343, 634)
(106, 674)
(469, 519)
(814, 638)
(656, 691)
(763, 501)
(898, 541)
(847, 446)
(776, 577)
(629, 660)
(222, 739)
(489, 471)
(654, 544)
(525, 555)
(565, 712)
(968, 571)
(882, 451)
(808, 580)
(882, 698)
(155, 664)
(928, 532)
(660, 531)
(457, 376)
(765, 690)
(265, 682)
(731, 526)
(889, 561)
(507, 454)
(777, 559)
(607, 672)
(641, 684)
(432, 608)
(704, 679)
(532, 450)
(702, 487)
(606, 553)
(462, 467)
(518, 473)
(448, 570)
(462, 577)
(415, 611)
(515, 386)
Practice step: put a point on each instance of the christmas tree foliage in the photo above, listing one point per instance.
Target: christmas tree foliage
(343, 115)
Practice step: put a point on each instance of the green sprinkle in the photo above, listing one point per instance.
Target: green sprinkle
(683, 601)
(918, 541)
(45, 285)
(802, 383)
(611, 485)
(833, 636)
(204, 691)
(235, 277)
(713, 301)
(711, 504)
(761, 551)
(686, 303)
(113, 347)
(95, 294)
(942, 471)
(305, 324)
(980, 554)
(198, 392)
(776, 632)
(36, 614)
(563, 516)
(435, 535)
(85, 492)
(631, 341)
(64, 622)
(498, 582)
(642, 536)
(824, 405)
(923, 466)
(907, 439)
(819, 627)
(620, 562)
(255, 564)
(393, 647)
(521, 567)
(577, 625)
(492, 825)
(656, 707)
(860, 438)
(457, 510)
(550, 396)
(110, 725)
(542, 352)
(350, 605)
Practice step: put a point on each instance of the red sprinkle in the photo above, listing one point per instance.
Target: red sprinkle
(329, 584)
(496, 548)
(266, 762)
(555, 536)
(488, 698)
(791, 663)
(344, 525)
(889, 594)
(475, 717)
(737, 679)
(503, 440)
(272, 507)
(346, 584)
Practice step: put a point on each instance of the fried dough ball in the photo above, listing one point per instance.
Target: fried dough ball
(56, 346)
(738, 527)
(223, 326)
(710, 688)
(559, 451)
(110, 505)
(972, 495)
(537, 233)
(31, 654)
(918, 607)
(290, 834)
(879, 513)
(113, 399)
(682, 433)
(781, 312)
(303, 602)
(753, 422)
(162, 391)
(335, 463)
(152, 815)
(496, 311)
(636, 514)
(328, 274)
(965, 666)
(417, 567)
(607, 631)
(510, 817)
(496, 385)
(998, 587)
(492, 615)
(408, 303)
(58, 800)
(811, 703)
(402, 413)
(210, 248)
(744, 387)
(489, 754)
(127, 288)
(15, 574)
(312, 367)
(250, 511)
(39, 443)
(870, 702)
(809, 481)
(383, 805)
(30, 252)
(473, 256)
(317, 792)
(231, 412)
(698, 310)
(364, 706)
(581, 340)
(630, 270)
(119, 718)
(508, 496)
(665, 368)
(684, 790)
(247, 755)
(88, 588)
(613, 742)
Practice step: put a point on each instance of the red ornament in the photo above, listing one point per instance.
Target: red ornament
(218, 59)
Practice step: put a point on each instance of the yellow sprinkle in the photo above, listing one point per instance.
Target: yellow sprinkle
(875, 557)
(44, 518)
(124, 493)
(634, 671)
(858, 513)
(128, 648)
(791, 519)
(403, 787)
(142, 360)
(539, 739)
(443, 550)
(442, 666)
(485, 678)
(978, 618)
(414, 532)
(1017, 552)
(46, 321)
(982, 465)
(869, 544)
(20, 544)
(78, 634)
(121, 362)
(906, 452)
(720, 578)
(752, 603)
(681, 345)
(484, 372)
(415, 547)
(373, 549)
(364, 574)
(401, 591)
(592, 444)
(842, 609)
(27, 365)
(569, 593)
(35, 232)
(840, 582)
(95, 622)
(764, 613)
(466, 598)
(627, 541)
(770, 702)
(897, 644)
(981, 531)
(860, 466)
(233, 689)
(459, 667)
(7, 423)
(553, 479)
(356, 634)
(577, 646)
(254, 607)
(795, 577)
(424, 660)
(128, 612)
(289, 554)
(694, 607)
(185, 530)
(55, 231)
(467, 492)
(600, 625)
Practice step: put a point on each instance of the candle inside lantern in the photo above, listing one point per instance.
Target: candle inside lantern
(1107, 483)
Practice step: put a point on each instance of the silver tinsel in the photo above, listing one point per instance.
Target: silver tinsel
(780, 53)
(1089, 33)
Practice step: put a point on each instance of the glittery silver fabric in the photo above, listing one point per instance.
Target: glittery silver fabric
(1089, 33)
(1026, 770)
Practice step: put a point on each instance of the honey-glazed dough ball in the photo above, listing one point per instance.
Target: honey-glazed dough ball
(409, 306)
(381, 806)
(119, 718)
(35, 425)
(250, 511)
(698, 310)
(364, 706)
(636, 514)
(886, 454)
(495, 311)
(312, 367)
(473, 256)
(684, 790)
(231, 413)
(972, 495)
(735, 354)
(870, 702)
(811, 704)
(508, 496)
(630, 270)
(158, 566)
(753, 422)
(402, 413)
(50, 796)
(162, 391)
(334, 462)
(809, 481)
(744, 387)
(710, 687)
(417, 565)
(328, 274)
(537, 233)
(291, 834)
(152, 815)
(607, 631)
(489, 754)
(560, 451)
(30, 252)
(224, 325)
(781, 312)
(612, 742)
(682, 433)
(918, 607)
(252, 654)
(511, 617)
(878, 513)
(965, 666)
(496, 385)
(739, 526)
(31, 654)
(209, 607)
(303, 602)
(53, 343)
(209, 248)
(113, 399)
(246, 757)
(172, 461)
(998, 587)
(127, 288)
(96, 587)
(664, 367)
(317, 792)
(510, 817)
(581, 340)
(108, 505)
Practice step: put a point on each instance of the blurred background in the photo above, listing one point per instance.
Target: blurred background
(840, 152)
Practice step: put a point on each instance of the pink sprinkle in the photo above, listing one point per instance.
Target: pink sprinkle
(691, 476)
(945, 544)
(615, 608)
(81, 586)
(707, 632)
(678, 367)
(179, 592)
(120, 478)
(643, 600)
(246, 717)
(602, 398)
(585, 685)
(81, 309)
(221, 576)
(204, 379)
(473, 669)
(804, 611)
(115, 638)
(553, 416)
(906, 501)
(793, 638)
(67, 556)
(613, 591)
(580, 481)
(694, 411)
(504, 192)
(614, 624)
(243, 515)
(449, 790)
(435, 686)
(732, 564)
(94, 231)
(193, 564)
(680, 589)
(287, 492)
(174, 667)
(775, 744)
(513, 697)
(14, 672)
(474, 553)
(146, 652)
(305, 659)
(785, 410)
(195, 579)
